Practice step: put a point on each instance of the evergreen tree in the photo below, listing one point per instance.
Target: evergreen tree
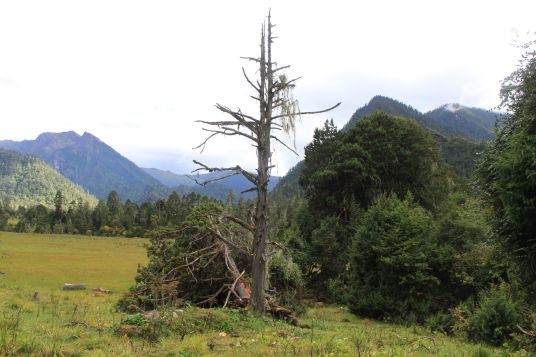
(115, 206)
(507, 172)
(379, 154)
(58, 206)
(392, 264)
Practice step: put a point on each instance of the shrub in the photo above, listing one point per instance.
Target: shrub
(285, 278)
(391, 264)
(443, 322)
(496, 316)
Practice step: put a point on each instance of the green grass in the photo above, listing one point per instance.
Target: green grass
(85, 323)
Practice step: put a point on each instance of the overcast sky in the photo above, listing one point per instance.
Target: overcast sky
(137, 74)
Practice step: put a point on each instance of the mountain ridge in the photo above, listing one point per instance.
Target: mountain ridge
(91, 163)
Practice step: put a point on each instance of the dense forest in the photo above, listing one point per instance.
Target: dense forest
(110, 217)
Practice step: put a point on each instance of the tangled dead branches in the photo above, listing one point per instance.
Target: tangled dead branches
(205, 263)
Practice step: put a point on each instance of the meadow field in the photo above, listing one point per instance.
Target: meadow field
(38, 318)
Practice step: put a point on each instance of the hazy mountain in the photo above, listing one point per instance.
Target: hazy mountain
(25, 180)
(168, 178)
(216, 189)
(89, 162)
(461, 121)
(237, 183)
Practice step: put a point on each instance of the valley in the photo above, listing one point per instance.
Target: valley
(38, 318)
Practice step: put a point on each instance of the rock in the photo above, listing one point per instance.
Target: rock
(68, 286)
(153, 314)
(133, 308)
(130, 330)
(102, 290)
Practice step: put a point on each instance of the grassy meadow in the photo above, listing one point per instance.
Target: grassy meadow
(54, 322)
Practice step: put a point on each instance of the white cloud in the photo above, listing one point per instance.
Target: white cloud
(137, 74)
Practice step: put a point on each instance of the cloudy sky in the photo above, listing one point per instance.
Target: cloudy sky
(137, 74)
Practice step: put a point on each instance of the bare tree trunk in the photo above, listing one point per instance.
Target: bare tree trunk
(273, 93)
(258, 268)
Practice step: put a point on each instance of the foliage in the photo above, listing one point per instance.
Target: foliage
(328, 258)
(286, 279)
(112, 217)
(507, 169)
(461, 154)
(467, 262)
(392, 268)
(496, 317)
(443, 322)
(345, 171)
(379, 154)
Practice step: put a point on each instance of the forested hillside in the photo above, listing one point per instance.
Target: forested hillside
(26, 180)
(449, 120)
(460, 121)
(89, 162)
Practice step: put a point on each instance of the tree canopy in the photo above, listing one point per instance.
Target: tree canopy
(507, 171)
(379, 154)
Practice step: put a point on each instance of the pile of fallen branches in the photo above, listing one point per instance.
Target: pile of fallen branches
(205, 262)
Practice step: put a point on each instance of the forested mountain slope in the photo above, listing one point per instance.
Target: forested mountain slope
(89, 162)
(449, 120)
(26, 180)
(461, 121)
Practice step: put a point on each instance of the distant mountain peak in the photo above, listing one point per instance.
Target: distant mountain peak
(453, 107)
(87, 136)
(50, 135)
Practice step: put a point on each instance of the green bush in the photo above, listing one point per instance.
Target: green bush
(285, 278)
(392, 275)
(443, 322)
(496, 316)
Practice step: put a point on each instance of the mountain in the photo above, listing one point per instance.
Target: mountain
(458, 130)
(89, 162)
(237, 183)
(390, 106)
(449, 120)
(461, 121)
(26, 180)
(170, 179)
(216, 189)
(288, 185)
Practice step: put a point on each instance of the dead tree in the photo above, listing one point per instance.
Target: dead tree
(277, 113)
